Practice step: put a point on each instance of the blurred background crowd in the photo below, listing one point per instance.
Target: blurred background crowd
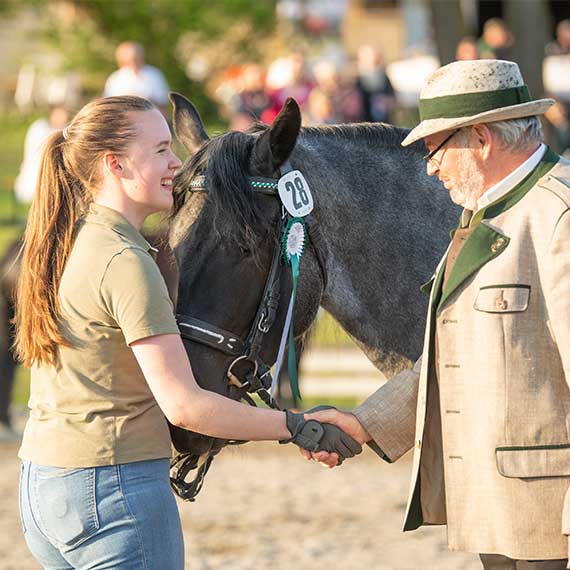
(238, 60)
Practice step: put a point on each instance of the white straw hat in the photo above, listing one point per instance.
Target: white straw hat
(466, 93)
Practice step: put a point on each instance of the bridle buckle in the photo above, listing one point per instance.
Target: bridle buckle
(234, 380)
(264, 328)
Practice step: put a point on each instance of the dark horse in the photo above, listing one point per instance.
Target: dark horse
(9, 268)
(383, 225)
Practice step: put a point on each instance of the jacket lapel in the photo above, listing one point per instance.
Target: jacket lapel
(483, 245)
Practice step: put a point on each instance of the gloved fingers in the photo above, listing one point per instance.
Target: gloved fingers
(342, 450)
(352, 444)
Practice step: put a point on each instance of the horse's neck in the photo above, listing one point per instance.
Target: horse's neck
(379, 217)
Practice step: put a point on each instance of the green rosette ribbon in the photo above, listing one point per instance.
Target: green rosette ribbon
(292, 247)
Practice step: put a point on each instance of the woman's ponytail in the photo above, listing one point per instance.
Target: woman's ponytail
(69, 175)
(56, 206)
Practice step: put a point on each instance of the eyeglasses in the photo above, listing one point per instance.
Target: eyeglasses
(428, 157)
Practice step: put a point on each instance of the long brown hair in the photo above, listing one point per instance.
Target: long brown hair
(69, 174)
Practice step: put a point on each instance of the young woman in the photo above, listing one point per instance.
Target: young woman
(95, 323)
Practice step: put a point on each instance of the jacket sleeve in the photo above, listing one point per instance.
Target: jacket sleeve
(389, 415)
(557, 296)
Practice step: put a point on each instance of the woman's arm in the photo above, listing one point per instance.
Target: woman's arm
(165, 365)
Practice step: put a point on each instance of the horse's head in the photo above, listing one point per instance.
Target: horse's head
(224, 235)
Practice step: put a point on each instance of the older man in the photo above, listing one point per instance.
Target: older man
(489, 397)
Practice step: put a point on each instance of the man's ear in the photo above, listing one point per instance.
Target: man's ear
(112, 164)
(483, 140)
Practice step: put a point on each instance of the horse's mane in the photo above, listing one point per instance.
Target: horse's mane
(377, 133)
(224, 161)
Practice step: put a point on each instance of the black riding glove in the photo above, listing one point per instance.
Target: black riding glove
(316, 436)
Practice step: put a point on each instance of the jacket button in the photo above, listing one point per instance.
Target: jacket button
(419, 444)
(495, 246)
(501, 304)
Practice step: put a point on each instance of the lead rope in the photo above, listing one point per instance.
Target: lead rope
(181, 465)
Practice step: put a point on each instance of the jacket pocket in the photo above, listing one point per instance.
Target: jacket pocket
(524, 462)
(512, 298)
(66, 504)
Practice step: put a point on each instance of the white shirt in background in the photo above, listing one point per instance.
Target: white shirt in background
(149, 83)
(36, 137)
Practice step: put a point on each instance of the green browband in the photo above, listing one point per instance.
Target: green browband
(469, 104)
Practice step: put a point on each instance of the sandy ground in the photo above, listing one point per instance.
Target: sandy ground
(263, 506)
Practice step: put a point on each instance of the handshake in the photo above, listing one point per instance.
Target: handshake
(326, 434)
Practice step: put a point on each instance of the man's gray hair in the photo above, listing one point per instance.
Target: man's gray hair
(517, 134)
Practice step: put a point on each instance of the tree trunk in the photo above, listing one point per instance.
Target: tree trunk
(448, 26)
(531, 25)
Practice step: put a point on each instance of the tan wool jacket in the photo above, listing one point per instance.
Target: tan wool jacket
(491, 426)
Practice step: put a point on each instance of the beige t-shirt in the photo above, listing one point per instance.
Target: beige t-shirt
(95, 407)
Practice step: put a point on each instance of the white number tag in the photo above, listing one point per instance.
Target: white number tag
(295, 194)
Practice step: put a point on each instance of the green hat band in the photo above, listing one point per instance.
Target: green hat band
(470, 104)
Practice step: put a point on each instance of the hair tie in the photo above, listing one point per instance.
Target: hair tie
(65, 132)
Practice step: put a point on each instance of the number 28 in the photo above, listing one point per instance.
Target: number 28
(298, 191)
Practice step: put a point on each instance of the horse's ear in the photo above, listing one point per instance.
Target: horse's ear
(188, 126)
(275, 145)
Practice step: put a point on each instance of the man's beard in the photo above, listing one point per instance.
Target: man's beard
(468, 185)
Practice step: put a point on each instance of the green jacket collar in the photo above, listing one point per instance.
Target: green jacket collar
(485, 243)
(98, 214)
(506, 202)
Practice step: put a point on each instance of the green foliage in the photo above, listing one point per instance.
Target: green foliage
(86, 33)
(328, 333)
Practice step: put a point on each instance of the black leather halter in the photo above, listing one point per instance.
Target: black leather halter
(257, 379)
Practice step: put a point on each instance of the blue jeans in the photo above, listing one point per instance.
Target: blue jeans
(117, 516)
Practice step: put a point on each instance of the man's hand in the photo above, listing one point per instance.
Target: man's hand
(315, 436)
(346, 421)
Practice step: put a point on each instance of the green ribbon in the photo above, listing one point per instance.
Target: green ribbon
(292, 357)
(470, 104)
(294, 260)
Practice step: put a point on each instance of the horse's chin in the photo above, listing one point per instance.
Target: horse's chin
(185, 441)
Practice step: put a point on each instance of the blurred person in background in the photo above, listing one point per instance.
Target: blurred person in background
(497, 40)
(319, 110)
(561, 45)
(372, 82)
(558, 118)
(36, 136)
(241, 121)
(343, 95)
(467, 49)
(556, 81)
(250, 103)
(287, 77)
(134, 77)
(252, 98)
